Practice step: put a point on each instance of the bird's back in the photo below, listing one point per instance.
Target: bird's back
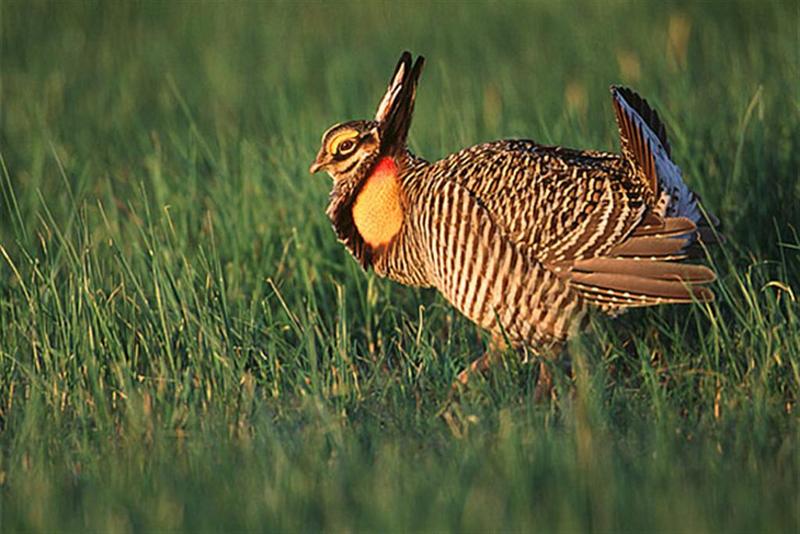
(542, 197)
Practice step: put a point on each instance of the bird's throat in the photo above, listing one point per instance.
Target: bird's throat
(377, 210)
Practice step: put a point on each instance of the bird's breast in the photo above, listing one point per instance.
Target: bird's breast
(377, 210)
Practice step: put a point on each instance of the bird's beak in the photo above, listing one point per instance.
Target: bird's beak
(318, 165)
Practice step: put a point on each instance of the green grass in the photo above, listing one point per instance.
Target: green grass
(184, 344)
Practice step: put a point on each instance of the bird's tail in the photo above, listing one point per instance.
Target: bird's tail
(644, 269)
(644, 143)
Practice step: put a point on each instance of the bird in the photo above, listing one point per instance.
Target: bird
(522, 238)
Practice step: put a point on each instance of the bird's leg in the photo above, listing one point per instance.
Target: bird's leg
(544, 383)
(493, 352)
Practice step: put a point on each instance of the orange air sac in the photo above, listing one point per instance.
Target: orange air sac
(377, 212)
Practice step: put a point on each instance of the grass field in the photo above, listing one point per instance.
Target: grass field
(184, 345)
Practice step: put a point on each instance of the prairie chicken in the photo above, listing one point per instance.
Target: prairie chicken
(521, 238)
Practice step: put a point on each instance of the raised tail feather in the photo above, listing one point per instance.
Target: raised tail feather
(643, 270)
(644, 142)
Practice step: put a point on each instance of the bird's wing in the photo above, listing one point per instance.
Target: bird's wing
(555, 203)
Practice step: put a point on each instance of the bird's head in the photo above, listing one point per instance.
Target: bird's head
(351, 149)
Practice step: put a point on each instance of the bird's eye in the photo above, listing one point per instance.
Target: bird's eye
(346, 146)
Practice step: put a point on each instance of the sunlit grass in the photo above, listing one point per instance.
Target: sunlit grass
(184, 345)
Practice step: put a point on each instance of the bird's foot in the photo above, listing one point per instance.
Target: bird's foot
(544, 385)
(478, 366)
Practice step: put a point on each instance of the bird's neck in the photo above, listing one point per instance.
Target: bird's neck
(378, 207)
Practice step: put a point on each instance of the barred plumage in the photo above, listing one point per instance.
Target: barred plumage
(521, 238)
